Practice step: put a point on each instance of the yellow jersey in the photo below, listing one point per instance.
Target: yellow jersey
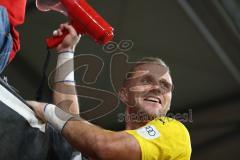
(163, 139)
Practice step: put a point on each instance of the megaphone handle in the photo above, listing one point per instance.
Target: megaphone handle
(53, 42)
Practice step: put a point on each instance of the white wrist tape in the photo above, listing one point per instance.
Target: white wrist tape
(56, 117)
(63, 58)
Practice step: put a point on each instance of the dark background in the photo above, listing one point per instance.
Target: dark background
(198, 39)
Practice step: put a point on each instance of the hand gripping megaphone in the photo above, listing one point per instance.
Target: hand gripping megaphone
(82, 17)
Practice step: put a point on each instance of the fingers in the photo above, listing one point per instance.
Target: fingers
(71, 38)
(38, 108)
(36, 105)
(32, 103)
(57, 32)
(69, 28)
(62, 27)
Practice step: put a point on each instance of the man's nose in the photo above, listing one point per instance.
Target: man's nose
(156, 89)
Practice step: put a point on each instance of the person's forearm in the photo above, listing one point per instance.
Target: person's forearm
(68, 103)
(64, 92)
(90, 139)
(98, 143)
(87, 138)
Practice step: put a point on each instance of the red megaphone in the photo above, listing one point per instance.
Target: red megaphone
(83, 18)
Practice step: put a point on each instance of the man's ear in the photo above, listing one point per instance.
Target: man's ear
(123, 95)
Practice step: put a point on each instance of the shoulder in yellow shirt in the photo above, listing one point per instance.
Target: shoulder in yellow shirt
(163, 139)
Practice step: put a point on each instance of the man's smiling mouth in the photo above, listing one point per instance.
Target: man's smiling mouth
(153, 99)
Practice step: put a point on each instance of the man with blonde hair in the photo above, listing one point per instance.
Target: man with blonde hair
(146, 93)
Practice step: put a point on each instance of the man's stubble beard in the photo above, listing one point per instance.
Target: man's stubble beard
(145, 113)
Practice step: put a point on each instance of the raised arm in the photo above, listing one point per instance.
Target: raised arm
(68, 101)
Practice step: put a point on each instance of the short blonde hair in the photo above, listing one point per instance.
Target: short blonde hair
(145, 60)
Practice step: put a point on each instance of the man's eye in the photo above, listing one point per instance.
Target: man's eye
(166, 86)
(145, 81)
